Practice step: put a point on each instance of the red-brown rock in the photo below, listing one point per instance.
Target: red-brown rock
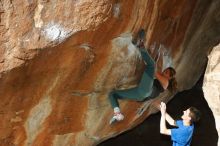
(50, 49)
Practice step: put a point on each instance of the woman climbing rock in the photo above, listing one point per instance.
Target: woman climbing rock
(148, 87)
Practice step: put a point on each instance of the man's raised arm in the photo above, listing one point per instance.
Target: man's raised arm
(163, 127)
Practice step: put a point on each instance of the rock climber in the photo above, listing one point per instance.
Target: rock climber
(148, 87)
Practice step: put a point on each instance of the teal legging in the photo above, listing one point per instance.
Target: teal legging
(144, 88)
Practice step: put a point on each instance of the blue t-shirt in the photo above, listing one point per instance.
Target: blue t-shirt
(182, 135)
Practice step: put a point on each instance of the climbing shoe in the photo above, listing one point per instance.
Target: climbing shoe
(117, 117)
(139, 39)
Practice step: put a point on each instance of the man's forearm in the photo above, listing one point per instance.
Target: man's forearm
(163, 127)
(170, 120)
(163, 124)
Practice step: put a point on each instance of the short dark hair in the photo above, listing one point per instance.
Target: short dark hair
(195, 114)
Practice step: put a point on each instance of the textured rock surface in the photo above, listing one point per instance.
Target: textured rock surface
(50, 49)
(211, 86)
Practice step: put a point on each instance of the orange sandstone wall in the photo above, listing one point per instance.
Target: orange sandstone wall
(60, 59)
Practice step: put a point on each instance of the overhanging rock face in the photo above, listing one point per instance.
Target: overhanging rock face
(60, 59)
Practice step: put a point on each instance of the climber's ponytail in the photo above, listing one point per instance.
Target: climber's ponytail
(172, 87)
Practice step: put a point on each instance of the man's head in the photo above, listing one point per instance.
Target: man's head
(191, 115)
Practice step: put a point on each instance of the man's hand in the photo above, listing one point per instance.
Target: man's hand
(163, 127)
(163, 108)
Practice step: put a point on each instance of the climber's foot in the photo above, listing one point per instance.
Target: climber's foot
(117, 117)
(139, 39)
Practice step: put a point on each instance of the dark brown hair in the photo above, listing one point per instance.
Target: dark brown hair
(172, 87)
(195, 114)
